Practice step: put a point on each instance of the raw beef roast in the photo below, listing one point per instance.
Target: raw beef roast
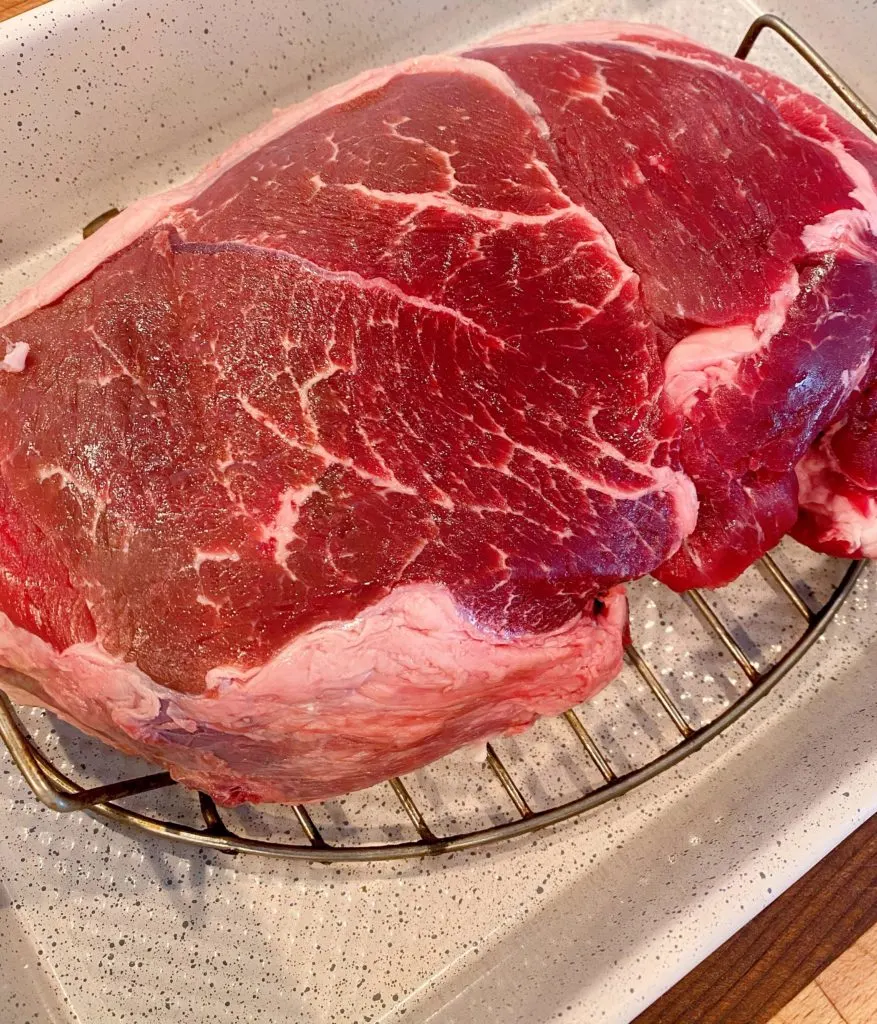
(336, 458)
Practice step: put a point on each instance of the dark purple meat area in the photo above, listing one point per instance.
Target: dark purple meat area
(742, 443)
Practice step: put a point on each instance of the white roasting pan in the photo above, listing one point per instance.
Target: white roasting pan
(587, 921)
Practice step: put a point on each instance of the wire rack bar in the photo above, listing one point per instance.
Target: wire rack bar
(722, 632)
(210, 814)
(816, 61)
(415, 815)
(590, 746)
(99, 221)
(657, 688)
(774, 573)
(309, 828)
(508, 783)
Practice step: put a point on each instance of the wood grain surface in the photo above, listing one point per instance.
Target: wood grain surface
(798, 962)
(10, 7)
(759, 971)
(845, 992)
(850, 984)
(812, 1006)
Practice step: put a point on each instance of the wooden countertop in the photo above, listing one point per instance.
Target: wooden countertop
(10, 7)
(809, 942)
(844, 993)
(808, 958)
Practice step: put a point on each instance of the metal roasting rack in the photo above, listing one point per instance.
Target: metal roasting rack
(60, 793)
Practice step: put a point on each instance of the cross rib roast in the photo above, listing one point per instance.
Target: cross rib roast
(338, 457)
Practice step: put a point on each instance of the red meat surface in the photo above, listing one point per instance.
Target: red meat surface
(337, 457)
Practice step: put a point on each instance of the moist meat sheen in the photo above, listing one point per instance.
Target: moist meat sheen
(337, 457)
